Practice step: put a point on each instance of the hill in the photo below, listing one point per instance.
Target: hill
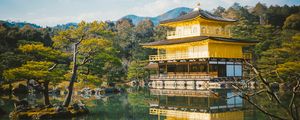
(19, 24)
(168, 15)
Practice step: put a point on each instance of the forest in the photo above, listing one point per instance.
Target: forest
(275, 27)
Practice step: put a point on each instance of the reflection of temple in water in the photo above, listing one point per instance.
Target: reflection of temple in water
(206, 106)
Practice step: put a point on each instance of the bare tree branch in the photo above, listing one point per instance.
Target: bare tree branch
(258, 92)
(51, 68)
(266, 83)
(292, 105)
(269, 90)
(80, 40)
(294, 93)
(86, 59)
(278, 76)
(260, 109)
(246, 97)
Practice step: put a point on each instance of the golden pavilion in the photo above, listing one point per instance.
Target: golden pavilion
(199, 52)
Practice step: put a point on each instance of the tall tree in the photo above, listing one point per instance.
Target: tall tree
(219, 11)
(261, 10)
(124, 40)
(144, 32)
(85, 41)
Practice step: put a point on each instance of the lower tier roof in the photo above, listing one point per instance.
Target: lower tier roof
(196, 39)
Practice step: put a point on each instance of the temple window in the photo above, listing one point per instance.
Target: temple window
(222, 30)
(171, 68)
(203, 67)
(179, 31)
(203, 30)
(217, 31)
(195, 29)
(194, 68)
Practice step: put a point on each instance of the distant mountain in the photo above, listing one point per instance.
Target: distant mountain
(19, 24)
(135, 19)
(168, 15)
(65, 26)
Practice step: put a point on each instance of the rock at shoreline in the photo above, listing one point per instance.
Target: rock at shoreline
(49, 112)
(21, 106)
(20, 89)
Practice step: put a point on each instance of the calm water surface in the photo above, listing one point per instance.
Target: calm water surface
(144, 104)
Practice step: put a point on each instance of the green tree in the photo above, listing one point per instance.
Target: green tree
(219, 11)
(290, 68)
(43, 72)
(136, 71)
(11, 37)
(10, 60)
(292, 22)
(39, 52)
(271, 51)
(107, 65)
(40, 68)
(85, 41)
(260, 10)
(143, 33)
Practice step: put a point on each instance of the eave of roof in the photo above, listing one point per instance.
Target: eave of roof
(201, 13)
(151, 66)
(196, 39)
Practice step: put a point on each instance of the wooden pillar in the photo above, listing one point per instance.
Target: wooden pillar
(158, 115)
(234, 101)
(188, 67)
(175, 84)
(218, 68)
(175, 68)
(166, 100)
(195, 84)
(158, 70)
(207, 62)
(208, 103)
(166, 68)
(234, 68)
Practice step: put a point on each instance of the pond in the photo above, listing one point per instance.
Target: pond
(153, 104)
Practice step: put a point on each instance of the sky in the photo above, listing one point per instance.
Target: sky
(53, 12)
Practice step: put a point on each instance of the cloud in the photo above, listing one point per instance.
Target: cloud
(155, 7)
(53, 12)
(54, 20)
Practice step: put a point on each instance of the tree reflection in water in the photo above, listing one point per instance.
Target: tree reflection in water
(144, 104)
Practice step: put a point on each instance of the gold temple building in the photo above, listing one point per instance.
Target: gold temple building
(199, 53)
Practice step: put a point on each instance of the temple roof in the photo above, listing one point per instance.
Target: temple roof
(201, 13)
(195, 39)
(151, 66)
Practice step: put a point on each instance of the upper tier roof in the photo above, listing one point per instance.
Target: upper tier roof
(195, 39)
(201, 13)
